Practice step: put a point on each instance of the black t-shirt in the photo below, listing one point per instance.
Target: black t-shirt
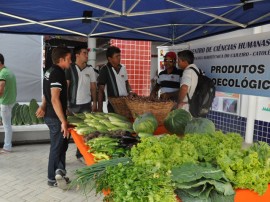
(54, 78)
(107, 77)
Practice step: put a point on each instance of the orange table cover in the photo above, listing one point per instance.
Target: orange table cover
(79, 141)
(242, 195)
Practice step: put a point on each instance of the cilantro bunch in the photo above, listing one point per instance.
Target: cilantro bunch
(132, 183)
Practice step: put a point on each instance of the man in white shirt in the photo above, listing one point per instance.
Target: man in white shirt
(81, 84)
(189, 79)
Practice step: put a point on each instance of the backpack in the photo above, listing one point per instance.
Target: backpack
(204, 94)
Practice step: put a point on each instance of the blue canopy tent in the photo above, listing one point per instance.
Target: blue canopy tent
(172, 21)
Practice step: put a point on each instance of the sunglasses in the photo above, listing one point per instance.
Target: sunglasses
(166, 60)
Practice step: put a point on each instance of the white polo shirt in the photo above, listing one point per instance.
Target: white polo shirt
(189, 78)
(85, 77)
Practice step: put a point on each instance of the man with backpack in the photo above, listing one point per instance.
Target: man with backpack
(197, 91)
(189, 79)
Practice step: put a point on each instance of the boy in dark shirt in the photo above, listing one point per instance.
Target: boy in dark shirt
(53, 108)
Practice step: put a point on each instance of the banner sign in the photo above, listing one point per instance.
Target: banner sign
(238, 65)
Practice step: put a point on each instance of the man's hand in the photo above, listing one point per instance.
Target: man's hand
(180, 105)
(131, 95)
(40, 112)
(64, 129)
(165, 96)
(69, 112)
(153, 95)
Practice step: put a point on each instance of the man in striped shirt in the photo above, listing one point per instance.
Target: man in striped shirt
(168, 81)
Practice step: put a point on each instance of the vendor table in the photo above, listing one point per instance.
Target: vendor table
(241, 195)
(79, 141)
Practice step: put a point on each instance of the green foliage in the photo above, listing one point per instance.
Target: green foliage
(176, 121)
(87, 176)
(131, 183)
(198, 182)
(25, 115)
(163, 152)
(33, 106)
(247, 169)
(200, 126)
(13, 114)
(208, 146)
(18, 115)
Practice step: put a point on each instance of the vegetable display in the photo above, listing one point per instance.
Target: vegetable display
(131, 183)
(247, 169)
(145, 124)
(25, 114)
(176, 121)
(163, 152)
(87, 123)
(204, 165)
(202, 182)
(208, 146)
(200, 126)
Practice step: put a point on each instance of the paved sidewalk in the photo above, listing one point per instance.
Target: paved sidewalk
(23, 176)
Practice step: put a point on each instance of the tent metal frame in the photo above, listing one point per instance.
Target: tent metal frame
(110, 13)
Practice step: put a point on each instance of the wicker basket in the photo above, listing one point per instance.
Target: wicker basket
(120, 107)
(159, 109)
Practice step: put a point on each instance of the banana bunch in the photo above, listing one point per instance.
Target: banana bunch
(87, 123)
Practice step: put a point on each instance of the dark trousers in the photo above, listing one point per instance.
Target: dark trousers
(59, 146)
(79, 109)
(110, 108)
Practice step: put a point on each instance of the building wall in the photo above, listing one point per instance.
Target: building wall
(136, 56)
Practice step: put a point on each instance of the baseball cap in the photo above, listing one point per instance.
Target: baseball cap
(172, 55)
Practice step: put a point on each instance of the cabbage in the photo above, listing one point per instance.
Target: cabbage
(176, 121)
(200, 126)
(145, 123)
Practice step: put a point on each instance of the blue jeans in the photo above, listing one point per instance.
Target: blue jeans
(6, 119)
(59, 146)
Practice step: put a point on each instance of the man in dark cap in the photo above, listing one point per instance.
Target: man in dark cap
(168, 81)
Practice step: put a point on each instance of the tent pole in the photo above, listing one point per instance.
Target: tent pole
(173, 34)
(252, 107)
(92, 52)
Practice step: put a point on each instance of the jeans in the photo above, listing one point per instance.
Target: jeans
(6, 119)
(59, 146)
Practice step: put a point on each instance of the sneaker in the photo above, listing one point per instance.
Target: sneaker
(60, 172)
(81, 160)
(67, 179)
(61, 182)
(4, 151)
(52, 183)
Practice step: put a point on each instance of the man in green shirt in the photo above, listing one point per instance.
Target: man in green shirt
(8, 94)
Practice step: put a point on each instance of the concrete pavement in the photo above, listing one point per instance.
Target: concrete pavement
(23, 176)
